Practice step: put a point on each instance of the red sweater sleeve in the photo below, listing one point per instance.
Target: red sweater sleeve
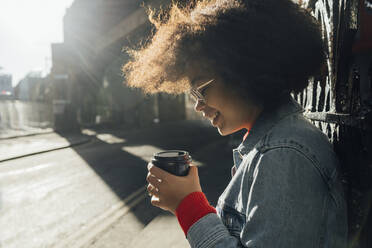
(192, 208)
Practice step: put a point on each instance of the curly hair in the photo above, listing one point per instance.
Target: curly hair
(263, 49)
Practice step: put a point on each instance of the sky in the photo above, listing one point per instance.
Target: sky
(27, 29)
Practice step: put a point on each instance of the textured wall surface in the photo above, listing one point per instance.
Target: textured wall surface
(332, 102)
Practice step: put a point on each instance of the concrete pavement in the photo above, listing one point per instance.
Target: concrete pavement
(161, 229)
(21, 146)
(164, 230)
(10, 133)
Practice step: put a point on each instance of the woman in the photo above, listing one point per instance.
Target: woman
(240, 60)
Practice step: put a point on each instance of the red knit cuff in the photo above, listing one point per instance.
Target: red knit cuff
(192, 208)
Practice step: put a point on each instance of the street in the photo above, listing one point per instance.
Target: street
(70, 196)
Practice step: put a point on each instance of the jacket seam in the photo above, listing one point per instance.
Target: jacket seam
(326, 179)
(265, 149)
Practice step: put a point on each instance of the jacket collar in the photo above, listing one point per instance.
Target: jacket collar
(266, 120)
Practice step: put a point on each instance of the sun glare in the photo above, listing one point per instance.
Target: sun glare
(28, 27)
(36, 21)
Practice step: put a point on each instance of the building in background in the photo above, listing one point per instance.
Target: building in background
(86, 67)
(6, 88)
(31, 87)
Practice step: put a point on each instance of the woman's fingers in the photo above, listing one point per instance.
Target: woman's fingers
(193, 171)
(155, 201)
(153, 191)
(153, 180)
(156, 171)
(167, 190)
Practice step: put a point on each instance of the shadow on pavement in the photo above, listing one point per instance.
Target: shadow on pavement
(120, 157)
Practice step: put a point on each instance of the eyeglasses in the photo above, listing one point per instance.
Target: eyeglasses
(196, 93)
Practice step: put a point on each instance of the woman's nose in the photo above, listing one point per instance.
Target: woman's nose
(199, 105)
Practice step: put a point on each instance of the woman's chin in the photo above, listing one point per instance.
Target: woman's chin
(223, 132)
(220, 132)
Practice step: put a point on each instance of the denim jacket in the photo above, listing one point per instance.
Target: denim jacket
(285, 190)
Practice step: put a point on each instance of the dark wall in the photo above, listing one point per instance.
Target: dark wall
(334, 104)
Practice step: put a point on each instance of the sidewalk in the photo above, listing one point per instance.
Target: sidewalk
(26, 131)
(163, 230)
(17, 147)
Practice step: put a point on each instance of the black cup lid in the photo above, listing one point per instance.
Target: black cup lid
(172, 155)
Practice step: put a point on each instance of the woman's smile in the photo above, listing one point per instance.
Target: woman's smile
(225, 110)
(215, 118)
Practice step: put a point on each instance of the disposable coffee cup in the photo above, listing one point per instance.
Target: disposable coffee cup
(176, 162)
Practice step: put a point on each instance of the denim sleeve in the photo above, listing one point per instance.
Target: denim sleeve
(284, 197)
(209, 231)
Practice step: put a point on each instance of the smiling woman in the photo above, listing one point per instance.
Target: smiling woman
(241, 60)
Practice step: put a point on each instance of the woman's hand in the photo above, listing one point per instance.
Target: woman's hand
(168, 190)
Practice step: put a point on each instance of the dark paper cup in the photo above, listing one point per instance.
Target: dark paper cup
(176, 162)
